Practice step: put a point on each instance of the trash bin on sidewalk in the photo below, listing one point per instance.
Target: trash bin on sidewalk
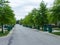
(45, 27)
(9, 28)
(49, 28)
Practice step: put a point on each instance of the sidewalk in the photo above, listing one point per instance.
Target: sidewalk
(5, 39)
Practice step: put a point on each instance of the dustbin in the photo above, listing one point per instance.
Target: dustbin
(45, 28)
(9, 28)
(49, 28)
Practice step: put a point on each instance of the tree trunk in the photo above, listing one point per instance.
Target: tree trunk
(38, 27)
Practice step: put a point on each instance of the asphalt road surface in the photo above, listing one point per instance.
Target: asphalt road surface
(27, 36)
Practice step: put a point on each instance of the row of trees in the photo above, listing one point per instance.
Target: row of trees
(42, 16)
(6, 14)
(55, 12)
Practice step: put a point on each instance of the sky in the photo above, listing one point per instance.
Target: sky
(22, 7)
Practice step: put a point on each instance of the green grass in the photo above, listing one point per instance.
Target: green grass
(4, 34)
(56, 33)
(56, 28)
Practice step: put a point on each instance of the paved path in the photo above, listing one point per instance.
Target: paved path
(26, 36)
(4, 40)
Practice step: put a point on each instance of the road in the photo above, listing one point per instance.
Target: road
(26, 36)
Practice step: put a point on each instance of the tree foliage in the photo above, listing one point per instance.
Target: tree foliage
(43, 15)
(6, 14)
(56, 11)
(37, 17)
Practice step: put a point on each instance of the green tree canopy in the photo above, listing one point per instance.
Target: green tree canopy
(56, 11)
(43, 13)
(6, 15)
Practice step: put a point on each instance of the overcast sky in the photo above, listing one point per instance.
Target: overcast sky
(22, 7)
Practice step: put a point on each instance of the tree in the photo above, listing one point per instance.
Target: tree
(28, 20)
(56, 12)
(21, 21)
(37, 19)
(43, 13)
(34, 13)
(6, 15)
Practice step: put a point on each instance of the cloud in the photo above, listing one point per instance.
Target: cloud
(16, 3)
(22, 7)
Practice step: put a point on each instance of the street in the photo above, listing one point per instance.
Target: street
(27, 36)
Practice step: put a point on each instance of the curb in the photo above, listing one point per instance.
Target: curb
(52, 34)
(9, 34)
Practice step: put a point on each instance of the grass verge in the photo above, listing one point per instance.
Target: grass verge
(56, 33)
(4, 34)
(56, 28)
